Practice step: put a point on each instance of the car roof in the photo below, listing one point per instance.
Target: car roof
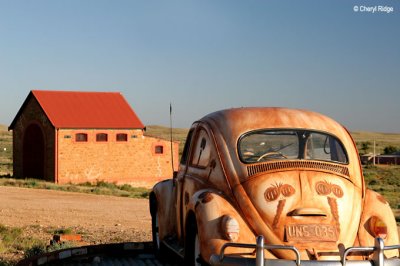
(236, 121)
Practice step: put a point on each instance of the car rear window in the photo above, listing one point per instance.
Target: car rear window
(267, 145)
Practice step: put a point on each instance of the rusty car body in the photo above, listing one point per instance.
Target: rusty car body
(291, 179)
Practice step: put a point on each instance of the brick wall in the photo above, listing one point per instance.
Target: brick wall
(33, 114)
(134, 161)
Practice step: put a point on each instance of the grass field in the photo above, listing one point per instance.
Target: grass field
(382, 140)
(98, 188)
(385, 180)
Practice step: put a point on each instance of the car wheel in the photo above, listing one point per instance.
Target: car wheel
(154, 231)
(192, 247)
(196, 250)
(159, 249)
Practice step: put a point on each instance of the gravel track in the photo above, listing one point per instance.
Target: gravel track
(98, 219)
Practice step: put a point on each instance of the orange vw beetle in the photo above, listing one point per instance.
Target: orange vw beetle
(262, 186)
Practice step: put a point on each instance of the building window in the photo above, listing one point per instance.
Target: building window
(81, 137)
(101, 137)
(159, 149)
(122, 137)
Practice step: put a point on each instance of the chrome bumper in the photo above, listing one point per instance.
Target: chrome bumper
(378, 258)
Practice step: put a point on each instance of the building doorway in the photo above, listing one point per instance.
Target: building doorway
(33, 152)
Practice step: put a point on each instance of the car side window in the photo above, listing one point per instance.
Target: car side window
(186, 149)
(202, 150)
(324, 147)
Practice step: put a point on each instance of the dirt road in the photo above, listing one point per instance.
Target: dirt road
(99, 219)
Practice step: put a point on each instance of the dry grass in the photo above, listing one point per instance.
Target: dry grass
(382, 140)
(98, 188)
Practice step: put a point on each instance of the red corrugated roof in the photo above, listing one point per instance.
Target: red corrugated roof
(72, 109)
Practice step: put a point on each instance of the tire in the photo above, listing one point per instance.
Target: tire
(159, 249)
(154, 232)
(192, 247)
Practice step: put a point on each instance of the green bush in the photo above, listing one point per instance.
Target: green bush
(35, 250)
(62, 231)
(390, 149)
(58, 246)
(5, 263)
(13, 240)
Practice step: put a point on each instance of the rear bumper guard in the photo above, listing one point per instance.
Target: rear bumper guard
(378, 258)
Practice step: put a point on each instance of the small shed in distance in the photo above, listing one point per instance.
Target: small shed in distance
(76, 137)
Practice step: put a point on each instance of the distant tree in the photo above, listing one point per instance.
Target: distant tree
(390, 149)
(365, 146)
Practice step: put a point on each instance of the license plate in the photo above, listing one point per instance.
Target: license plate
(310, 232)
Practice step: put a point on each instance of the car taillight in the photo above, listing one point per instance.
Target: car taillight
(378, 227)
(230, 228)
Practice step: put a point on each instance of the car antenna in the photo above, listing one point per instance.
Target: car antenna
(170, 126)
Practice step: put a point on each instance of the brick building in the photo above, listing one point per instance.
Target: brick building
(76, 137)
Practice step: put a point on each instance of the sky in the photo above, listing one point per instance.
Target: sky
(336, 57)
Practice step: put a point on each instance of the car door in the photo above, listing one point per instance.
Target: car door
(179, 181)
(197, 170)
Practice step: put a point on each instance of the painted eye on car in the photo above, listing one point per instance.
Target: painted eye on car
(325, 188)
(272, 193)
